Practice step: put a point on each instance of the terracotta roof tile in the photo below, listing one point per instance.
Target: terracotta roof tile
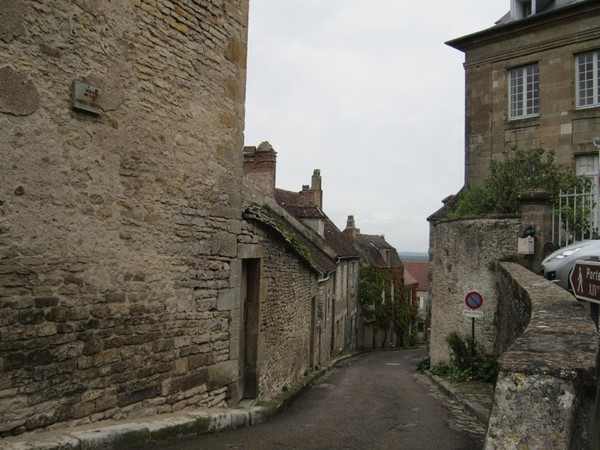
(419, 270)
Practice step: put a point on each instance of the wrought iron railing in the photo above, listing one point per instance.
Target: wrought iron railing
(575, 217)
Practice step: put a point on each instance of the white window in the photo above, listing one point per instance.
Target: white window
(588, 73)
(523, 92)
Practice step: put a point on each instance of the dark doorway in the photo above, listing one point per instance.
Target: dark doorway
(250, 327)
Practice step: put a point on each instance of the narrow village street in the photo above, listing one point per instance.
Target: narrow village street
(373, 401)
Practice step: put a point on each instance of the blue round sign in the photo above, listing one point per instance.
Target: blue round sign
(474, 300)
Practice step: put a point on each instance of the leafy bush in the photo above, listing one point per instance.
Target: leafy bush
(424, 365)
(464, 365)
(474, 200)
(470, 359)
(520, 171)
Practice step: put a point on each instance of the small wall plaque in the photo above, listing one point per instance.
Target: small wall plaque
(85, 97)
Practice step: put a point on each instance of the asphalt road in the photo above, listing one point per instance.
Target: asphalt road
(374, 401)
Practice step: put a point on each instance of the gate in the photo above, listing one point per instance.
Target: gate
(575, 217)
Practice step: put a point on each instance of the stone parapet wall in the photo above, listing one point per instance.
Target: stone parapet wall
(545, 392)
(118, 231)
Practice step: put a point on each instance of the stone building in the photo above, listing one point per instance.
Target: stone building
(304, 234)
(339, 287)
(279, 303)
(377, 254)
(419, 271)
(532, 80)
(121, 125)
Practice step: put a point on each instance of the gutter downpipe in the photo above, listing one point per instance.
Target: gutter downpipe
(323, 280)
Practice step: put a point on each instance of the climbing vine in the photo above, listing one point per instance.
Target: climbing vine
(387, 303)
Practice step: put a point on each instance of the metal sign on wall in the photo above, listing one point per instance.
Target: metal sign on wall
(84, 96)
(474, 300)
(585, 281)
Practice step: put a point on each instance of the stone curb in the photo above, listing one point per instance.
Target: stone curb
(156, 429)
(480, 412)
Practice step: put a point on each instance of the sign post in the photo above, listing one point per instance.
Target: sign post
(473, 300)
(585, 281)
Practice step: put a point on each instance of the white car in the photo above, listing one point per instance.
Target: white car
(557, 266)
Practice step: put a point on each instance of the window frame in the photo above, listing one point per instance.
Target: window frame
(528, 94)
(595, 80)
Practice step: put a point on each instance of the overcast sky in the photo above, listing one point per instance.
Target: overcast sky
(368, 93)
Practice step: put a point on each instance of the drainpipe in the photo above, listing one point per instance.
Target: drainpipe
(323, 280)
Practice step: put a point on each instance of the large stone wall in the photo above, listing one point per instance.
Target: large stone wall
(118, 231)
(546, 389)
(285, 319)
(463, 256)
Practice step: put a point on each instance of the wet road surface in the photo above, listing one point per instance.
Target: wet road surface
(372, 401)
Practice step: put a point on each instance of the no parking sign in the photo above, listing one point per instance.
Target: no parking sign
(474, 300)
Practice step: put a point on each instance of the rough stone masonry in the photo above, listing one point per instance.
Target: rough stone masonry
(118, 230)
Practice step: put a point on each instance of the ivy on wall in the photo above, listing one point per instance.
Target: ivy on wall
(387, 303)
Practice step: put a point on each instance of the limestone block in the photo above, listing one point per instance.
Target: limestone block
(239, 418)
(14, 412)
(531, 412)
(18, 95)
(114, 436)
(228, 300)
(189, 381)
(211, 422)
(171, 427)
(11, 20)
(222, 374)
(224, 244)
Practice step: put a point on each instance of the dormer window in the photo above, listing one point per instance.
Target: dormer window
(321, 227)
(520, 9)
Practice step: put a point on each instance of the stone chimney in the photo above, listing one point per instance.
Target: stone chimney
(315, 189)
(260, 167)
(350, 231)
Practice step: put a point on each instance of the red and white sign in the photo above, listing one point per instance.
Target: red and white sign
(474, 300)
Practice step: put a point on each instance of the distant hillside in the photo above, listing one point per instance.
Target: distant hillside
(413, 256)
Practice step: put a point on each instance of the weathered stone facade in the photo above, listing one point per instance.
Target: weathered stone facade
(546, 392)
(119, 231)
(377, 254)
(551, 40)
(297, 221)
(463, 254)
(288, 286)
